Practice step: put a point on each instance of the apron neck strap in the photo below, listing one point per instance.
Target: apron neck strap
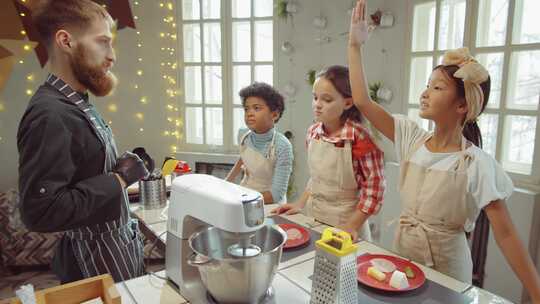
(66, 90)
(104, 136)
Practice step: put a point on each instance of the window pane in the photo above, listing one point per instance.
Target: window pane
(214, 126)
(193, 84)
(194, 125)
(241, 8)
(264, 73)
(420, 71)
(211, 9)
(423, 37)
(452, 24)
(190, 9)
(520, 135)
(494, 64)
(263, 8)
(212, 42)
(212, 85)
(492, 16)
(526, 29)
(263, 40)
(192, 43)
(488, 124)
(241, 41)
(238, 122)
(241, 78)
(524, 80)
(413, 114)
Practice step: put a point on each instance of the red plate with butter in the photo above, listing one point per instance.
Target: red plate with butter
(296, 235)
(365, 261)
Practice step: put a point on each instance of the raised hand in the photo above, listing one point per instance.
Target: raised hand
(359, 30)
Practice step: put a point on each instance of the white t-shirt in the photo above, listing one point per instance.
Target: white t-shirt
(486, 179)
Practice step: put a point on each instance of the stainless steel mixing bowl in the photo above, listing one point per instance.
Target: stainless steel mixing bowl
(233, 279)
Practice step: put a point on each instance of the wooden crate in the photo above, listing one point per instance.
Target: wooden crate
(77, 292)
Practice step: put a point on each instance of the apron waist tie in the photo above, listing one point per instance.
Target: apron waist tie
(87, 234)
(422, 230)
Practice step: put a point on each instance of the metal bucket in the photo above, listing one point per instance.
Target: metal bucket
(153, 193)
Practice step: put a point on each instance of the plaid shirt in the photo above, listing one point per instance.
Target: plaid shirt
(367, 159)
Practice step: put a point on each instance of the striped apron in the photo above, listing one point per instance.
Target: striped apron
(113, 247)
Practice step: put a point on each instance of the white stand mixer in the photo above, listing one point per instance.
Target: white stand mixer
(198, 201)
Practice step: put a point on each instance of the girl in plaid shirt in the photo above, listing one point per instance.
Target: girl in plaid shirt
(347, 182)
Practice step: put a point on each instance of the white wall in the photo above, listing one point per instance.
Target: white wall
(383, 60)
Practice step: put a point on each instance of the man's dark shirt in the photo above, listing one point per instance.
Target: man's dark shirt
(61, 179)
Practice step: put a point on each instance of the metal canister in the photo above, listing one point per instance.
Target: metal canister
(153, 193)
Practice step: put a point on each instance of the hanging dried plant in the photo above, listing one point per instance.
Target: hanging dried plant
(281, 8)
(310, 76)
(373, 88)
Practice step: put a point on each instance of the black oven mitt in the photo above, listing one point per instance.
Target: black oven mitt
(131, 168)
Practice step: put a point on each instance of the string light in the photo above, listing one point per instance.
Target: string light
(169, 69)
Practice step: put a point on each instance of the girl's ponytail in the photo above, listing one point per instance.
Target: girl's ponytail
(471, 131)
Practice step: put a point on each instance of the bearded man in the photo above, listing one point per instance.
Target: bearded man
(70, 176)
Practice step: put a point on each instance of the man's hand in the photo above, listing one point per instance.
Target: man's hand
(130, 168)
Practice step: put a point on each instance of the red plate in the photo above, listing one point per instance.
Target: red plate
(364, 263)
(292, 243)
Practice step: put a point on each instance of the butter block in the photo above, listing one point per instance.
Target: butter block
(399, 280)
(376, 274)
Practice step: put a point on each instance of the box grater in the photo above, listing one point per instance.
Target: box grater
(334, 273)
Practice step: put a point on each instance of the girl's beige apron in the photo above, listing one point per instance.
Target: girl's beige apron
(258, 169)
(431, 224)
(334, 191)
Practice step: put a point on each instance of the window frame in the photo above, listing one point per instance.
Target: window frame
(529, 181)
(227, 66)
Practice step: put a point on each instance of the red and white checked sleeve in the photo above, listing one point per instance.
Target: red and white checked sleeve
(369, 169)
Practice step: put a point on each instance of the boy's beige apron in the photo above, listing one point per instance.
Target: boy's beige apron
(258, 169)
(334, 191)
(431, 224)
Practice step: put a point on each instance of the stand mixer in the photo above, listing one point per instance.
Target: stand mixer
(203, 203)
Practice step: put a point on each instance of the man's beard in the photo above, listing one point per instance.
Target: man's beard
(94, 78)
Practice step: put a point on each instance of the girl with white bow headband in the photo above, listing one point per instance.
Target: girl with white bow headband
(446, 179)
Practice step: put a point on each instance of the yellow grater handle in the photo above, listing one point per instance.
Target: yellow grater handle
(336, 242)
